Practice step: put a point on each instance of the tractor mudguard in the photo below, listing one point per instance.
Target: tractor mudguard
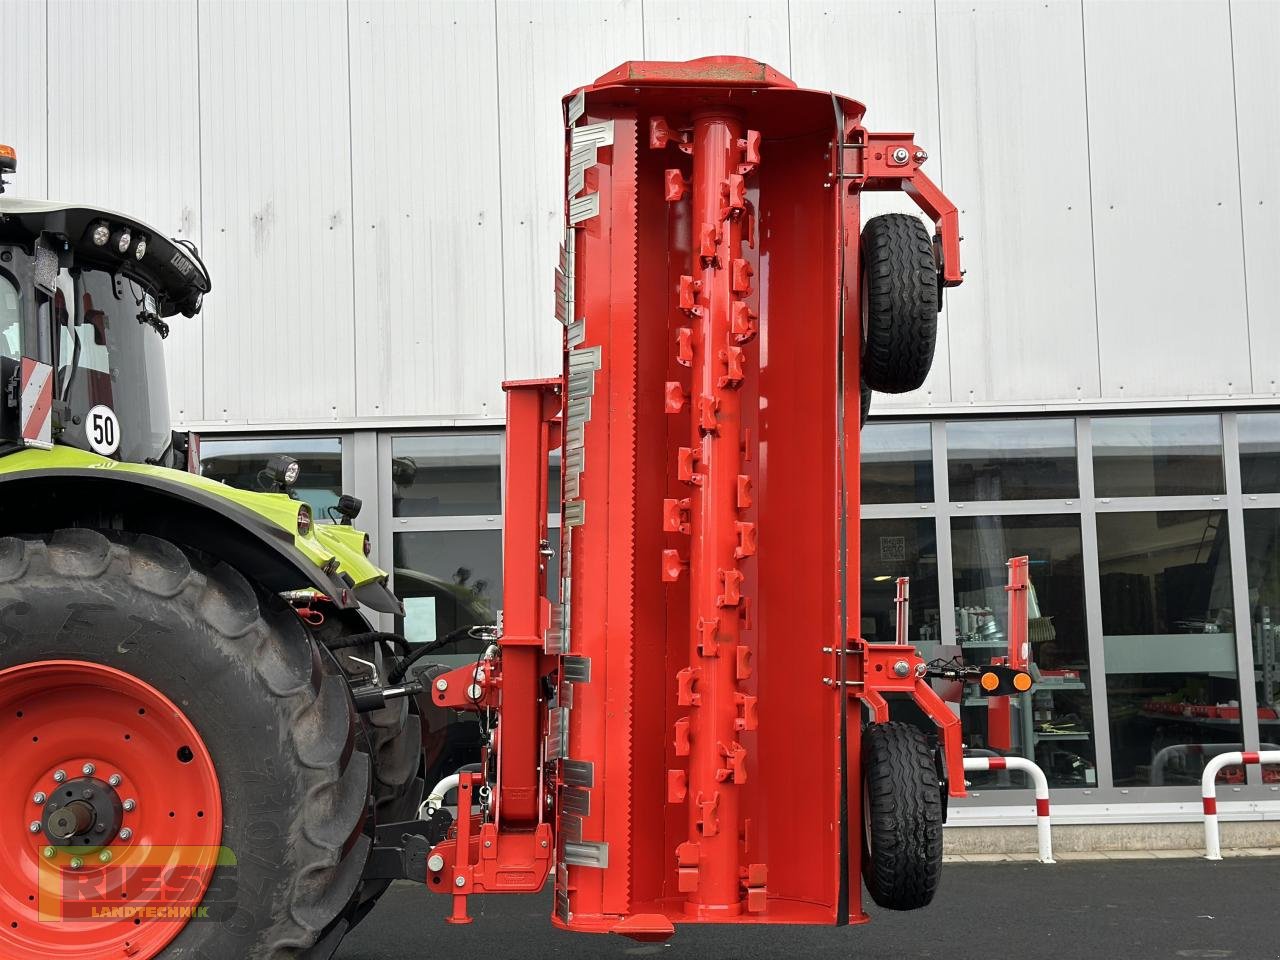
(33, 502)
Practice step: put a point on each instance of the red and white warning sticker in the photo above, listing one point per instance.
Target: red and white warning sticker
(37, 403)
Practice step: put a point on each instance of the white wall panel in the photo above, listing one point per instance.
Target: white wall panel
(276, 169)
(680, 30)
(883, 53)
(545, 50)
(1023, 324)
(429, 252)
(1166, 200)
(138, 153)
(1256, 39)
(24, 108)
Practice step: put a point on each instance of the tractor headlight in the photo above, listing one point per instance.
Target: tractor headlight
(140, 250)
(101, 234)
(122, 241)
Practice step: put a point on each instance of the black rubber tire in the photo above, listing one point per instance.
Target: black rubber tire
(272, 709)
(394, 735)
(866, 403)
(899, 303)
(394, 730)
(902, 823)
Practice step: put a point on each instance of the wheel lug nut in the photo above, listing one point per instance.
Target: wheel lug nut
(115, 780)
(76, 863)
(88, 794)
(104, 856)
(126, 834)
(39, 798)
(59, 776)
(49, 853)
(35, 826)
(100, 828)
(129, 806)
(88, 769)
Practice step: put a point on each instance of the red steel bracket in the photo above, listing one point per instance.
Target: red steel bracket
(891, 161)
(890, 668)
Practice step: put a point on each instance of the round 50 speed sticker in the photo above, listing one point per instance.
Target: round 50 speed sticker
(102, 430)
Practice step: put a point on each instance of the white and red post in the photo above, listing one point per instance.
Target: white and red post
(1209, 787)
(1041, 782)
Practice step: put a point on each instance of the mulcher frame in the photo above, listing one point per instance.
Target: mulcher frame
(677, 740)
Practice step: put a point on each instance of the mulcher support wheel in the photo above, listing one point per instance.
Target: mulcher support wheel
(902, 816)
(900, 303)
(202, 728)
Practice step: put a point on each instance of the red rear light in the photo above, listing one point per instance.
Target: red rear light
(368, 545)
(304, 520)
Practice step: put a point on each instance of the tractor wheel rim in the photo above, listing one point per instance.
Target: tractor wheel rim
(92, 751)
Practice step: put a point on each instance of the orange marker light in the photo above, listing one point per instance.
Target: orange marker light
(1022, 681)
(989, 681)
(8, 158)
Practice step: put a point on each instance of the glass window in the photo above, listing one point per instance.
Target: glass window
(1054, 723)
(10, 320)
(240, 463)
(1011, 460)
(897, 463)
(448, 580)
(447, 475)
(900, 548)
(1259, 452)
(1262, 548)
(1163, 456)
(1168, 634)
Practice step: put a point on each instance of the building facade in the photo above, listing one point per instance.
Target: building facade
(376, 187)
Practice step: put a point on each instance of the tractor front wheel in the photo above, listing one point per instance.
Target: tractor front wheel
(184, 773)
(902, 816)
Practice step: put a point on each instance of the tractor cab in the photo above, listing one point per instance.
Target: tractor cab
(85, 295)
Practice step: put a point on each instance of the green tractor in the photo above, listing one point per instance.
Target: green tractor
(200, 739)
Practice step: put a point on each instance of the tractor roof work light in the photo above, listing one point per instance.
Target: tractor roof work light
(282, 472)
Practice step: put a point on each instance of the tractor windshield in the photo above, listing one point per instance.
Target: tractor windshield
(111, 367)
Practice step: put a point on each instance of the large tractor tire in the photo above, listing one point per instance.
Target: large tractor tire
(165, 707)
(902, 816)
(394, 730)
(394, 735)
(899, 303)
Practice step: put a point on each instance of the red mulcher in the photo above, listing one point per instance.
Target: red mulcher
(683, 738)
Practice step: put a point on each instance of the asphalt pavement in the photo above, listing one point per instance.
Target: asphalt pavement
(1091, 910)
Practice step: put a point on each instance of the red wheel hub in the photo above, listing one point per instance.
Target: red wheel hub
(110, 814)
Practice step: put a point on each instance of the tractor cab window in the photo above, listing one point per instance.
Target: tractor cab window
(10, 319)
(110, 367)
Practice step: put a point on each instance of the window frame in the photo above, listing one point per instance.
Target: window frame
(1088, 506)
